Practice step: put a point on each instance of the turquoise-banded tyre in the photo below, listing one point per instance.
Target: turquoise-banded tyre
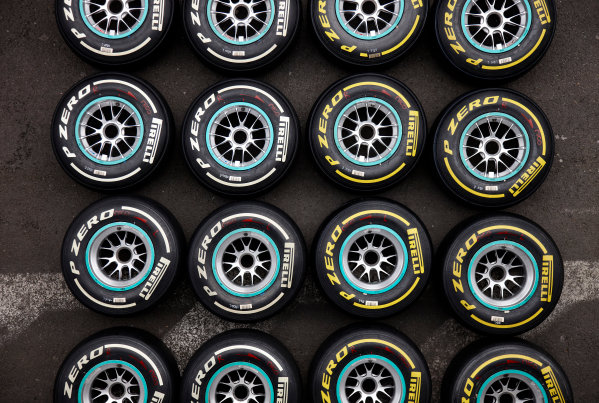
(494, 39)
(111, 131)
(493, 148)
(121, 364)
(502, 274)
(371, 363)
(121, 255)
(114, 32)
(247, 260)
(507, 370)
(242, 366)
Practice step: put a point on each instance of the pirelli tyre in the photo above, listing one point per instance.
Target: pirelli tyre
(118, 365)
(372, 257)
(240, 137)
(242, 366)
(247, 261)
(369, 363)
(367, 132)
(241, 35)
(502, 274)
(511, 370)
(114, 32)
(368, 32)
(493, 147)
(494, 40)
(121, 255)
(110, 131)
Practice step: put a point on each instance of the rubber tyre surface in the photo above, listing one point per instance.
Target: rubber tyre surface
(146, 106)
(133, 215)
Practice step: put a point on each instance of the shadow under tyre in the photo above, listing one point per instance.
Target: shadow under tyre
(369, 363)
(507, 371)
(369, 32)
(494, 40)
(111, 131)
(247, 261)
(367, 132)
(502, 274)
(240, 137)
(242, 366)
(114, 32)
(493, 147)
(241, 35)
(118, 365)
(373, 258)
(121, 255)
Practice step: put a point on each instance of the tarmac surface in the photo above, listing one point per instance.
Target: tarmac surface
(40, 321)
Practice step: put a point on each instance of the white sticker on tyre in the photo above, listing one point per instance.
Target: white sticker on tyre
(153, 139)
(282, 139)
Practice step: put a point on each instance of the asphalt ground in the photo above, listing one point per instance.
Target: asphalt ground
(39, 319)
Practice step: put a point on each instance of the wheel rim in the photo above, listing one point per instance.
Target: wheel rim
(503, 275)
(371, 379)
(368, 131)
(496, 26)
(373, 259)
(512, 387)
(120, 256)
(494, 147)
(240, 382)
(240, 22)
(369, 19)
(246, 262)
(113, 19)
(113, 382)
(109, 130)
(239, 136)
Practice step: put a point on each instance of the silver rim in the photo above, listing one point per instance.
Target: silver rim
(246, 262)
(495, 24)
(369, 18)
(113, 383)
(494, 147)
(114, 17)
(373, 259)
(503, 275)
(241, 20)
(512, 388)
(240, 384)
(370, 380)
(120, 256)
(368, 131)
(110, 131)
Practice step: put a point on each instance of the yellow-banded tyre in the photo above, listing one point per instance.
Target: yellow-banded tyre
(366, 132)
(368, 32)
(493, 147)
(369, 363)
(505, 371)
(494, 40)
(372, 257)
(502, 274)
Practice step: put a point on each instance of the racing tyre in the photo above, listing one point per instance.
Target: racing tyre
(118, 365)
(241, 35)
(502, 274)
(368, 32)
(494, 40)
(247, 261)
(373, 258)
(369, 363)
(506, 371)
(114, 32)
(493, 148)
(111, 131)
(121, 255)
(240, 137)
(242, 366)
(367, 132)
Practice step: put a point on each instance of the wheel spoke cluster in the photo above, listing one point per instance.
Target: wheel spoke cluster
(114, 247)
(241, 20)
(247, 261)
(241, 386)
(510, 388)
(114, 17)
(495, 24)
(372, 258)
(500, 274)
(370, 382)
(115, 385)
(369, 18)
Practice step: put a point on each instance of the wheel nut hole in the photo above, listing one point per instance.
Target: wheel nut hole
(115, 6)
(241, 12)
(371, 257)
(369, 7)
(497, 273)
(368, 385)
(494, 20)
(240, 137)
(367, 132)
(241, 392)
(123, 254)
(247, 261)
(492, 147)
(117, 390)
(111, 131)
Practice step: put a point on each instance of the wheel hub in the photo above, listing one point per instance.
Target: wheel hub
(114, 17)
(369, 19)
(241, 21)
